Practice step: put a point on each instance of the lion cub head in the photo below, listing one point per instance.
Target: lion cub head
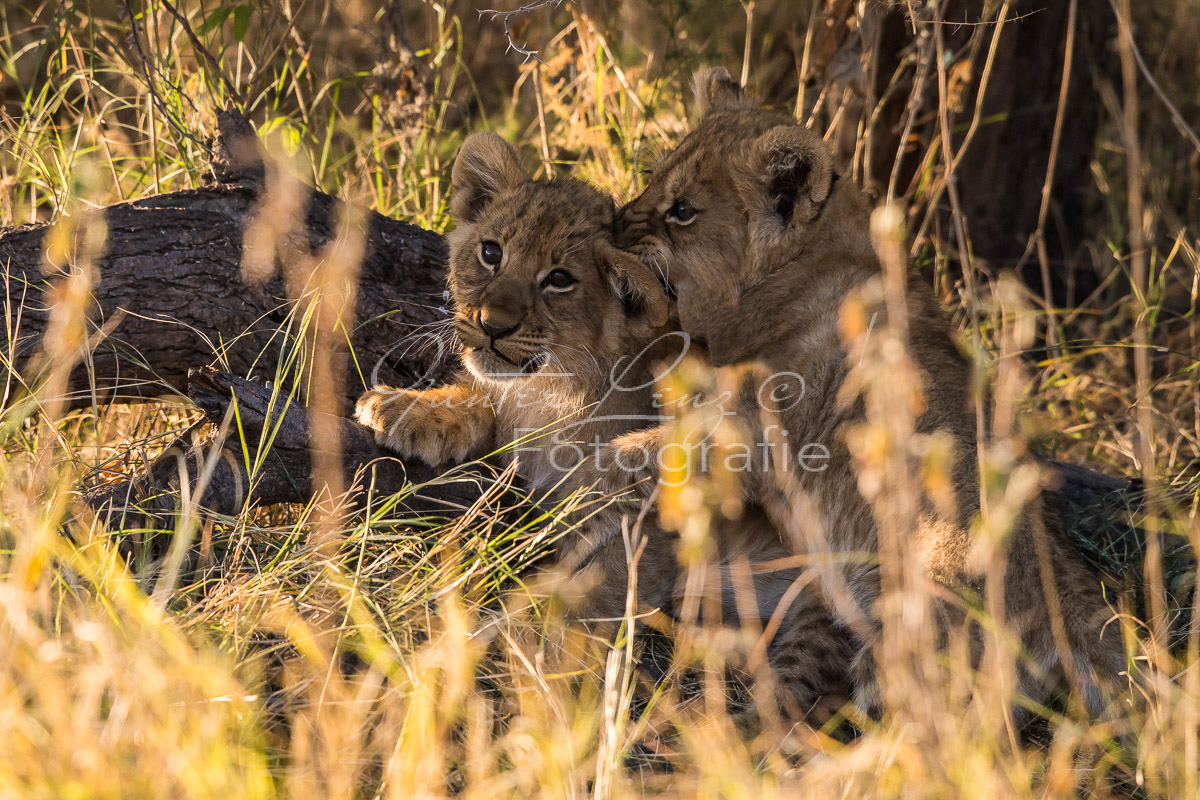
(741, 201)
(538, 285)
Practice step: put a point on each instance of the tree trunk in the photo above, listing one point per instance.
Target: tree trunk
(877, 54)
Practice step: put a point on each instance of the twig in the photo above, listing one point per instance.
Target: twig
(961, 238)
(135, 37)
(749, 8)
(1140, 275)
(1038, 239)
(805, 58)
(507, 17)
(547, 164)
(200, 48)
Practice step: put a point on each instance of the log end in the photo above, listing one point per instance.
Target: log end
(237, 153)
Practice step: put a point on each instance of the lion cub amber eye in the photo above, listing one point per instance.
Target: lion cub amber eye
(491, 254)
(558, 279)
(681, 212)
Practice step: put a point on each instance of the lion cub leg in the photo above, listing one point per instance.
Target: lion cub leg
(810, 658)
(643, 562)
(807, 650)
(438, 426)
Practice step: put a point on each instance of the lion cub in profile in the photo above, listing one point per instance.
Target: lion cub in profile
(762, 242)
(561, 333)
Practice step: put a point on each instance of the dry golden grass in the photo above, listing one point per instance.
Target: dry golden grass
(415, 658)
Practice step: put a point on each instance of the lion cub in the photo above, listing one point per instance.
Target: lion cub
(561, 332)
(762, 242)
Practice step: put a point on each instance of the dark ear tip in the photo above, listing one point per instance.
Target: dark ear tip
(708, 75)
(716, 90)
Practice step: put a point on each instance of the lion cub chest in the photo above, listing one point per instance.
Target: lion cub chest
(551, 428)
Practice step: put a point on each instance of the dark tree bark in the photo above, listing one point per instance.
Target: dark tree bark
(1003, 167)
(283, 473)
(171, 273)
(211, 469)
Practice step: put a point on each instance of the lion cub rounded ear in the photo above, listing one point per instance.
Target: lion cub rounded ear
(791, 171)
(485, 166)
(641, 295)
(716, 91)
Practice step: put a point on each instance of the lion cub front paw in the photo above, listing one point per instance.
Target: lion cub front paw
(416, 425)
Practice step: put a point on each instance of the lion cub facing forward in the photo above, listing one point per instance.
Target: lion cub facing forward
(559, 329)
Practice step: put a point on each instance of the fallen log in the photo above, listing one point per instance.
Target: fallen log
(170, 285)
(254, 449)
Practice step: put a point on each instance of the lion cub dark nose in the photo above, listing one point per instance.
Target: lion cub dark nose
(497, 324)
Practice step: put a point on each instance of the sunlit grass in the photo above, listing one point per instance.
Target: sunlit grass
(424, 657)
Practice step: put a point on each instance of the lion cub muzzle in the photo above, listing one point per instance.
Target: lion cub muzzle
(497, 323)
(497, 344)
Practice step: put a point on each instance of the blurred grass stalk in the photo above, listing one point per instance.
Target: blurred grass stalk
(326, 655)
